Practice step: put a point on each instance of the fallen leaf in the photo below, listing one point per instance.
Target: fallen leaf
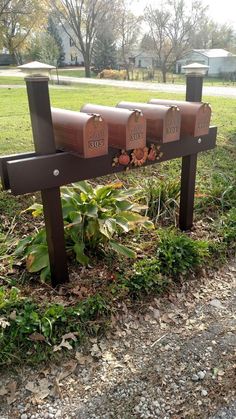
(70, 368)
(64, 343)
(82, 359)
(3, 391)
(12, 315)
(37, 337)
(12, 387)
(4, 323)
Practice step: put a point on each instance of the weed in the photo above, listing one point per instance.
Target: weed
(178, 254)
(22, 318)
(162, 199)
(145, 277)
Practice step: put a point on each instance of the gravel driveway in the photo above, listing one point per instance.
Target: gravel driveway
(172, 357)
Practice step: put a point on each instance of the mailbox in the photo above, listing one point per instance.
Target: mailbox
(195, 116)
(163, 123)
(126, 129)
(84, 134)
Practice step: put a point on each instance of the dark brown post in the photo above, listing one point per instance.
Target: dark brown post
(194, 83)
(40, 112)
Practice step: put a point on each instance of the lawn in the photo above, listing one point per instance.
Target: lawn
(14, 114)
(215, 199)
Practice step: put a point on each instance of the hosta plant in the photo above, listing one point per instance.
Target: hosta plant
(94, 218)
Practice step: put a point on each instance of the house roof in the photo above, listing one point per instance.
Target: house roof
(214, 53)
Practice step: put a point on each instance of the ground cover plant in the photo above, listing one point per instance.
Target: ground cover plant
(164, 256)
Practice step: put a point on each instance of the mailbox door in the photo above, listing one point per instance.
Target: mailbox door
(136, 132)
(172, 124)
(202, 121)
(95, 138)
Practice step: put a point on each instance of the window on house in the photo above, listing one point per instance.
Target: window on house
(71, 42)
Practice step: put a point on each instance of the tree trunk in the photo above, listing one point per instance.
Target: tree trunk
(163, 70)
(87, 70)
(87, 67)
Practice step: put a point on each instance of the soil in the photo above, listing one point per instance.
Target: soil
(173, 357)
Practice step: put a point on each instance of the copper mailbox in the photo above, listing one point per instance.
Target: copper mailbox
(84, 134)
(195, 116)
(163, 123)
(126, 129)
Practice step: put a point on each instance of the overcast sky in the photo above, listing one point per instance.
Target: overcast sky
(222, 11)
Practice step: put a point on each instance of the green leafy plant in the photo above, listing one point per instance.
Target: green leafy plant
(179, 254)
(28, 330)
(94, 220)
(146, 277)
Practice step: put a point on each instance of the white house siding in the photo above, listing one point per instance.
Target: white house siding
(217, 65)
(143, 60)
(192, 57)
(222, 65)
(72, 55)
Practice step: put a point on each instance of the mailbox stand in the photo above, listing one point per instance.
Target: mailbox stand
(41, 120)
(194, 84)
(46, 170)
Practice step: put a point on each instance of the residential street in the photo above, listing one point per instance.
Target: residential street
(229, 92)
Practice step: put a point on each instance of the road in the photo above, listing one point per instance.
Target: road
(229, 92)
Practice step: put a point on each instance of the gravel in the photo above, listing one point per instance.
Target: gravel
(177, 365)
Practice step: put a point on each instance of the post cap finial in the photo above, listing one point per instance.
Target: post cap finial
(195, 69)
(36, 69)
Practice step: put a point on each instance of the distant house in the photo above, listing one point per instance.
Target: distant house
(71, 54)
(220, 61)
(143, 59)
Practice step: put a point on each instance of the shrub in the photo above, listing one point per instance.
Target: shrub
(179, 254)
(94, 220)
(146, 277)
(113, 74)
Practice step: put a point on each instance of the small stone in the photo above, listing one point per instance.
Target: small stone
(217, 304)
(58, 414)
(201, 375)
(24, 416)
(204, 393)
(195, 377)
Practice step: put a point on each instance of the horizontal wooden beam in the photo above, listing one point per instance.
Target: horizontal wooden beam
(3, 166)
(36, 173)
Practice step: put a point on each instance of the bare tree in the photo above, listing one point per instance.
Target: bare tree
(214, 35)
(128, 29)
(171, 28)
(81, 19)
(3, 6)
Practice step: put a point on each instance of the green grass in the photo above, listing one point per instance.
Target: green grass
(218, 163)
(216, 169)
(11, 80)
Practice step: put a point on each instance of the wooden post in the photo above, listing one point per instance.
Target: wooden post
(40, 112)
(194, 85)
